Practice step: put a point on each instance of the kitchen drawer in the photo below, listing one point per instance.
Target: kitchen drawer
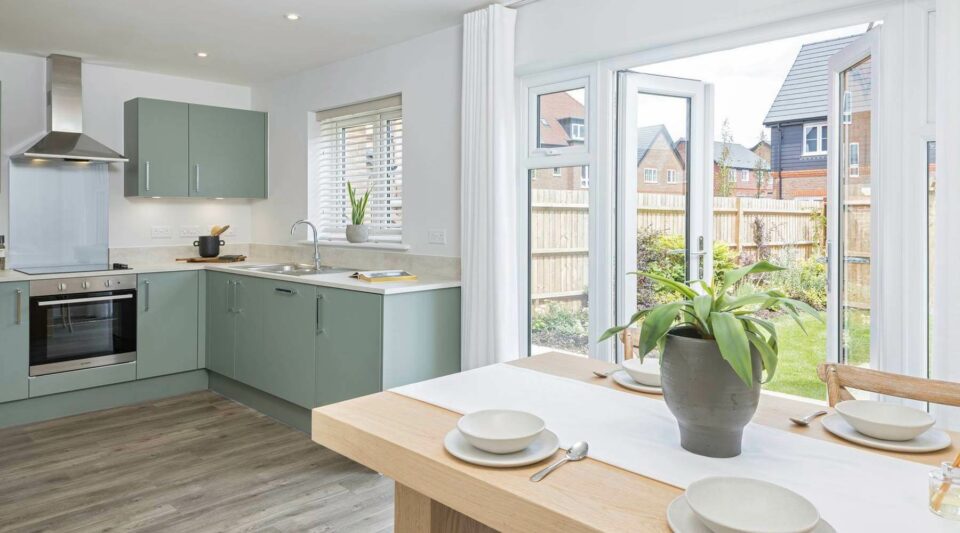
(82, 379)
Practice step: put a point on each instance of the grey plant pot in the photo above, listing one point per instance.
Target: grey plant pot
(358, 233)
(712, 405)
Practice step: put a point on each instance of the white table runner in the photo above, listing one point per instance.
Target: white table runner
(855, 490)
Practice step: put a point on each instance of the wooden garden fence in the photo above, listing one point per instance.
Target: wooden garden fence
(559, 232)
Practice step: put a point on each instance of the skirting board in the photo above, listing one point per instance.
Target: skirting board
(98, 398)
(290, 414)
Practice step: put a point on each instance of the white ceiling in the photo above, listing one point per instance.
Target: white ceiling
(248, 41)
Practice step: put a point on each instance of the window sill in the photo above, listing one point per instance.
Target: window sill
(392, 246)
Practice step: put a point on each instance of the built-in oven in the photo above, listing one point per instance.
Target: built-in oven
(82, 322)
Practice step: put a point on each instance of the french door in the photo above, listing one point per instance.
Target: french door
(853, 170)
(664, 183)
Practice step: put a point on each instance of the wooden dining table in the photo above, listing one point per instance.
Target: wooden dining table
(402, 438)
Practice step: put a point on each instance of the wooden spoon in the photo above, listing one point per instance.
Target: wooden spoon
(214, 230)
(220, 230)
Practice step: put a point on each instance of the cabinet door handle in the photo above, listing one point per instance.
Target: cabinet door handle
(236, 296)
(229, 297)
(19, 306)
(319, 314)
(289, 292)
(197, 184)
(147, 172)
(146, 296)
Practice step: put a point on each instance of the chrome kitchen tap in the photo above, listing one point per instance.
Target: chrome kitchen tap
(316, 243)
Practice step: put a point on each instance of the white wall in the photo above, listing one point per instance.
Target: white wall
(554, 33)
(427, 72)
(105, 89)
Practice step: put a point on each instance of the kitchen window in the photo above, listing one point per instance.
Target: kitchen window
(815, 139)
(650, 175)
(361, 144)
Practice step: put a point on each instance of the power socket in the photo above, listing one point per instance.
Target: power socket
(161, 232)
(189, 231)
(437, 236)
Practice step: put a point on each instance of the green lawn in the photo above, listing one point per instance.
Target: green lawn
(800, 354)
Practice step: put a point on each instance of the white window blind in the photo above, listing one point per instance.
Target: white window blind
(362, 146)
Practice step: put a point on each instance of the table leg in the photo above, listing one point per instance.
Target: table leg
(416, 513)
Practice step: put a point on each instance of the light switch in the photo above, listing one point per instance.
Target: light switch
(437, 236)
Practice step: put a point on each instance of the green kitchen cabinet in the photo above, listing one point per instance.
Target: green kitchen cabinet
(167, 323)
(155, 142)
(221, 330)
(14, 340)
(348, 344)
(227, 152)
(284, 361)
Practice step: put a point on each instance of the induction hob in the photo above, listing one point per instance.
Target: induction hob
(33, 271)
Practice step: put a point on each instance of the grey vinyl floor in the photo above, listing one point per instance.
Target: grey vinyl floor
(192, 463)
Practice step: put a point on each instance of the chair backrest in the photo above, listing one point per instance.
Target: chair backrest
(839, 377)
(630, 338)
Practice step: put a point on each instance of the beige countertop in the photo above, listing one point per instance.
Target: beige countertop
(339, 280)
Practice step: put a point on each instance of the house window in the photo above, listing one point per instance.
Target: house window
(815, 139)
(576, 131)
(650, 175)
(847, 112)
(672, 176)
(853, 155)
(556, 172)
(732, 175)
(361, 145)
(584, 179)
(744, 175)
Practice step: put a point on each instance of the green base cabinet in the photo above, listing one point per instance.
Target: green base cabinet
(282, 360)
(421, 336)
(167, 323)
(349, 356)
(14, 340)
(221, 330)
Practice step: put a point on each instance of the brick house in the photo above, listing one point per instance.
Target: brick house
(561, 125)
(742, 164)
(798, 123)
(660, 167)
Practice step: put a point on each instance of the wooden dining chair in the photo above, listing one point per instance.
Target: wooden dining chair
(839, 377)
(630, 338)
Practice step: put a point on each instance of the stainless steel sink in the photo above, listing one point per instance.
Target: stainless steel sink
(292, 269)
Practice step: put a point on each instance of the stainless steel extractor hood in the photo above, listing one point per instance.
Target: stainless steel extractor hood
(65, 138)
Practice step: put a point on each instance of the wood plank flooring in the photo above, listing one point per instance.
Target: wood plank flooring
(191, 463)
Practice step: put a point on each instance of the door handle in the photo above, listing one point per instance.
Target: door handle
(19, 306)
(229, 296)
(197, 182)
(146, 296)
(147, 172)
(236, 296)
(319, 314)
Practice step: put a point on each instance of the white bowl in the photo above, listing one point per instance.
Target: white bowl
(645, 373)
(743, 505)
(501, 430)
(886, 421)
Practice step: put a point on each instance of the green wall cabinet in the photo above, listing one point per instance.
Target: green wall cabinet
(182, 150)
(348, 345)
(14, 340)
(155, 142)
(284, 361)
(167, 323)
(228, 156)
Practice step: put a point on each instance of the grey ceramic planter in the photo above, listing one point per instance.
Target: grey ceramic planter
(711, 404)
(357, 233)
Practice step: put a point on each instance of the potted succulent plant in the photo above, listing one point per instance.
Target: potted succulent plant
(358, 231)
(714, 346)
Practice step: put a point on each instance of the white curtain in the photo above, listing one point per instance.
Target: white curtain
(490, 329)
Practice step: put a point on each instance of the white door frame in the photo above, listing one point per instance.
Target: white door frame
(862, 48)
(699, 212)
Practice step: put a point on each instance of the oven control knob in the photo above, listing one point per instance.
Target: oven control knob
(85, 284)
(61, 287)
(106, 283)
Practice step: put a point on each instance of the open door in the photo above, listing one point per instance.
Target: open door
(853, 174)
(665, 180)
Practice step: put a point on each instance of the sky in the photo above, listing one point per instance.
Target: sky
(746, 80)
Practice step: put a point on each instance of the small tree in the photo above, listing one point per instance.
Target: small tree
(761, 168)
(723, 162)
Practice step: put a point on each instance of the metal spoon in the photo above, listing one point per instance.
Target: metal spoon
(607, 373)
(576, 452)
(805, 421)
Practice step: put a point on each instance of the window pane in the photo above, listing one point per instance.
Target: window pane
(558, 248)
(931, 204)
(855, 228)
(812, 140)
(561, 119)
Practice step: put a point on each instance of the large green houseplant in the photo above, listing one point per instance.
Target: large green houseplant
(715, 344)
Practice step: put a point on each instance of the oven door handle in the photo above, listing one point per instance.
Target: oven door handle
(48, 303)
